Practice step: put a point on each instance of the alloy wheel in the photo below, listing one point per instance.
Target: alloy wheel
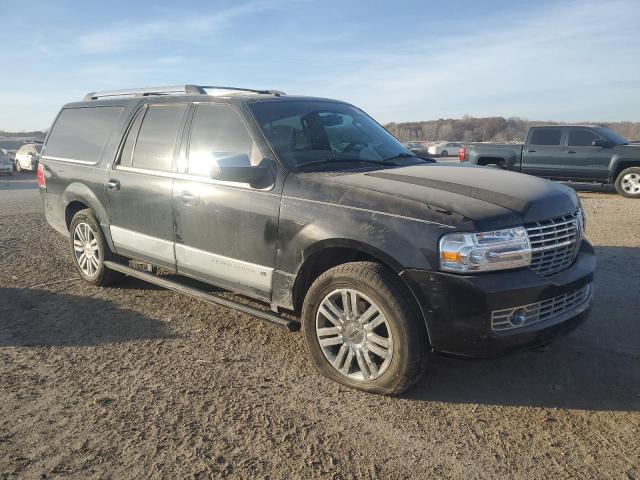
(354, 335)
(86, 250)
(631, 183)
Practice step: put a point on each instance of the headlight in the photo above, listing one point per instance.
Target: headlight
(477, 252)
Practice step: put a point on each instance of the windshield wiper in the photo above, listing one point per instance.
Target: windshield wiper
(340, 160)
(408, 155)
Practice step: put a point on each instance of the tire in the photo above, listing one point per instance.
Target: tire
(628, 183)
(86, 230)
(18, 167)
(376, 287)
(444, 153)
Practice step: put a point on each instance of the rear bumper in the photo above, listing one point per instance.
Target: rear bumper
(458, 308)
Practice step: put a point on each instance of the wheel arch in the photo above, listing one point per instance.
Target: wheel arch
(78, 196)
(327, 254)
(621, 164)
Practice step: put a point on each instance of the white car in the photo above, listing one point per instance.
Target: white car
(6, 165)
(445, 149)
(27, 157)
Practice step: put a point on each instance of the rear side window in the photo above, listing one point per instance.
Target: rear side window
(218, 132)
(546, 136)
(581, 137)
(82, 133)
(156, 138)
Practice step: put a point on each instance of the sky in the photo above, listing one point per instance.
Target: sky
(400, 61)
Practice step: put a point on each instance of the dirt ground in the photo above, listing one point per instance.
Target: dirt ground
(139, 382)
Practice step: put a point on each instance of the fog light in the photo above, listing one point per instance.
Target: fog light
(518, 317)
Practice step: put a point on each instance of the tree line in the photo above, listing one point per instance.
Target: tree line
(488, 129)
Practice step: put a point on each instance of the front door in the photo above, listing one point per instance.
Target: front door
(543, 153)
(139, 186)
(584, 161)
(225, 231)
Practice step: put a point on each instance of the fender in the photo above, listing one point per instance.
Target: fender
(619, 163)
(79, 192)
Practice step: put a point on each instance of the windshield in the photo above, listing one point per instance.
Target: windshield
(329, 133)
(614, 137)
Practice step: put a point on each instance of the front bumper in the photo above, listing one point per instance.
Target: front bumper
(458, 308)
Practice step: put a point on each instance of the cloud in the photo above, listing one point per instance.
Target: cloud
(564, 62)
(131, 35)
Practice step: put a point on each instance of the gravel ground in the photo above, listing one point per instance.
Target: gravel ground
(136, 382)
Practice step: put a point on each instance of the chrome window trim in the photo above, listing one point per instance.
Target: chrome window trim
(193, 178)
(68, 160)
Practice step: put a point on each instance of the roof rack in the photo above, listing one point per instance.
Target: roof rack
(176, 90)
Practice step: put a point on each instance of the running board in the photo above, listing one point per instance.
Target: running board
(265, 316)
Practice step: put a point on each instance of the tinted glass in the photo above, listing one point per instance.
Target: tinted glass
(581, 137)
(218, 132)
(157, 137)
(546, 136)
(132, 135)
(82, 133)
(332, 133)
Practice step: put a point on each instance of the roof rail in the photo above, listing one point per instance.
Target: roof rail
(173, 90)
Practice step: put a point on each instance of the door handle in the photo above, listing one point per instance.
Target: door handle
(531, 151)
(189, 199)
(571, 151)
(113, 185)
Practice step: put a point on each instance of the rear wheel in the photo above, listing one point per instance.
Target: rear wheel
(90, 250)
(445, 153)
(628, 182)
(363, 330)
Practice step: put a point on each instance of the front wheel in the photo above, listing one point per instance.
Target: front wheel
(444, 153)
(362, 329)
(18, 167)
(628, 183)
(90, 250)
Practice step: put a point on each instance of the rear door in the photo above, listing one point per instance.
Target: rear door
(584, 161)
(225, 231)
(544, 155)
(139, 186)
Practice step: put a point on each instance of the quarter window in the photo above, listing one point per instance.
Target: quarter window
(156, 140)
(82, 133)
(581, 137)
(546, 136)
(217, 133)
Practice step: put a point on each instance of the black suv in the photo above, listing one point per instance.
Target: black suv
(311, 207)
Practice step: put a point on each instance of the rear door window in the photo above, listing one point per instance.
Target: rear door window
(546, 136)
(82, 133)
(581, 137)
(156, 141)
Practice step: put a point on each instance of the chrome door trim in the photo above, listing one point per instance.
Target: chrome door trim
(145, 245)
(228, 270)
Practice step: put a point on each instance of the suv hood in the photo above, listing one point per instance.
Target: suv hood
(491, 198)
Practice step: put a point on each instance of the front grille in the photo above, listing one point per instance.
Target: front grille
(554, 243)
(541, 311)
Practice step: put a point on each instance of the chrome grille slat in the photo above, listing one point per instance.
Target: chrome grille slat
(554, 243)
(543, 310)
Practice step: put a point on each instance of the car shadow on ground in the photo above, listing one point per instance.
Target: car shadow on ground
(595, 367)
(40, 318)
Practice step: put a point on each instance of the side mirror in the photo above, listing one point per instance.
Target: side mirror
(598, 142)
(238, 168)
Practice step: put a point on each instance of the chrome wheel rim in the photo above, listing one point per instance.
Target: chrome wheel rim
(354, 335)
(85, 248)
(631, 183)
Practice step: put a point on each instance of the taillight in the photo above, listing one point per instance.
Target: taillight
(462, 153)
(40, 176)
